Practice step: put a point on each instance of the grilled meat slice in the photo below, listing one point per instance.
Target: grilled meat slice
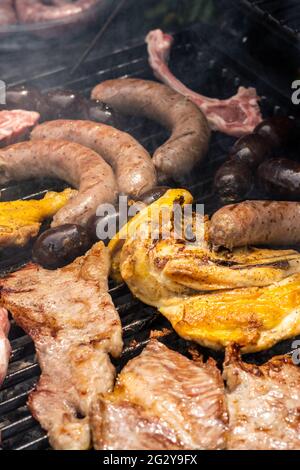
(16, 124)
(5, 348)
(162, 400)
(254, 298)
(71, 318)
(21, 220)
(263, 403)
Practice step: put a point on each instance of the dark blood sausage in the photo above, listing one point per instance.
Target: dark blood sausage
(278, 130)
(59, 246)
(77, 165)
(233, 181)
(7, 13)
(131, 162)
(36, 11)
(252, 149)
(256, 223)
(280, 177)
(189, 129)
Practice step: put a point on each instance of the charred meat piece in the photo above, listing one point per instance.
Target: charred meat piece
(256, 223)
(236, 116)
(15, 125)
(263, 403)
(132, 164)
(5, 348)
(79, 166)
(189, 129)
(74, 325)
(162, 400)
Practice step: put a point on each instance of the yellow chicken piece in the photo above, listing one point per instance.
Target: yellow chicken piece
(249, 296)
(21, 220)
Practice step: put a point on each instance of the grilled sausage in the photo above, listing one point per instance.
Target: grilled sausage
(256, 223)
(188, 126)
(131, 162)
(280, 177)
(35, 11)
(7, 13)
(77, 165)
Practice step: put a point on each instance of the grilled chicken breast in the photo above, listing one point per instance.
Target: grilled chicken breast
(162, 401)
(74, 325)
(250, 296)
(263, 403)
(21, 220)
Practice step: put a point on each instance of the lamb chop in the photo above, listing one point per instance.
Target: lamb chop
(235, 116)
(162, 400)
(5, 348)
(71, 318)
(263, 403)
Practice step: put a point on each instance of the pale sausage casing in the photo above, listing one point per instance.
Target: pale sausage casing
(77, 165)
(256, 223)
(132, 164)
(189, 129)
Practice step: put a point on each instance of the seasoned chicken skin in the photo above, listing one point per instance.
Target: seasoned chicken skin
(162, 400)
(74, 325)
(21, 220)
(263, 403)
(251, 296)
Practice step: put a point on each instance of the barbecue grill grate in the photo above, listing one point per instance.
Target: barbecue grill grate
(285, 15)
(191, 56)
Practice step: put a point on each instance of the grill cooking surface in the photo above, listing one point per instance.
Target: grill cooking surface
(284, 14)
(203, 67)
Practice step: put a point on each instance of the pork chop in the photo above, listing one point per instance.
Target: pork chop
(162, 400)
(263, 403)
(74, 325)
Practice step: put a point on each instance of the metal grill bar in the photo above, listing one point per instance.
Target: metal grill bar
(284, 14)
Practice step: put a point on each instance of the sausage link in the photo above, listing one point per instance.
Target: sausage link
(35, 11)
(280, 177)
(189, 129)
(131, 162)
(256, 223)
(77, 165)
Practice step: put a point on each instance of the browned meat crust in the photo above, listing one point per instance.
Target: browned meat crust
(163, 401)
(263, 403)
